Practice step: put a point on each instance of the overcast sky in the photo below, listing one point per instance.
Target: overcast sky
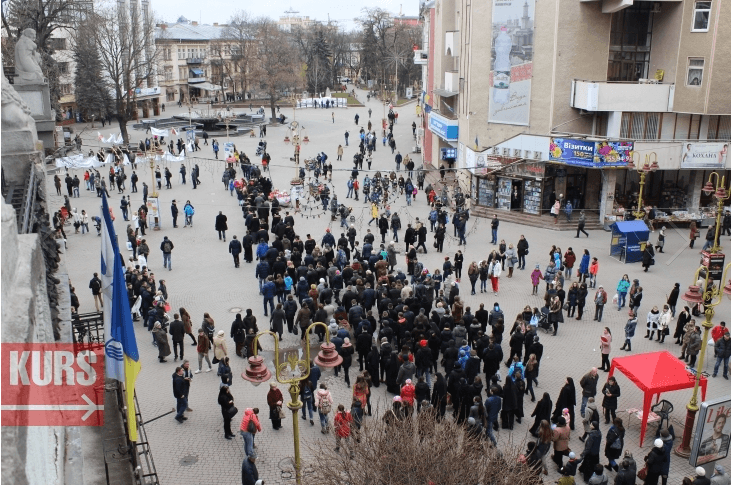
(210, 11)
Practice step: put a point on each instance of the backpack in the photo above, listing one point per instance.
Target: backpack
(325, 407)
(307, 393)
(433, 216)
(251, 427)
(167, 247)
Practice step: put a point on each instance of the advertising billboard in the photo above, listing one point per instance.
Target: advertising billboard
(590, 154)
(512, 61)
(704, 155)
(712, 433)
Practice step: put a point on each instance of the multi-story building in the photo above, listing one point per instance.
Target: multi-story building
(531, 100)
(194, 60)
(291, 22)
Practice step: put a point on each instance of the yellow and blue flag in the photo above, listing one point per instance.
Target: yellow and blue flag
(122, 360)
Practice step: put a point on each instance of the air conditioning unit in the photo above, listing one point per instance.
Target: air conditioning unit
(656, 7)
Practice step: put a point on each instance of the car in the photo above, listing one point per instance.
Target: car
(345, 80)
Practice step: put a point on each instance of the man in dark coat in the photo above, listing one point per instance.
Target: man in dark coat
(238, 334)
(221, 225)
(234, 247)
(177, 332)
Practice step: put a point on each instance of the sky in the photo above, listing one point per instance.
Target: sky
(210, 11)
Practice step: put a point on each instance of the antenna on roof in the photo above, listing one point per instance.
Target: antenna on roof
(290, 11)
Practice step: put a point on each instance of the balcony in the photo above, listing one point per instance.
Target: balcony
(421, 57)
(647, 95)
(451, 81)
(194, 60)
(196, 80)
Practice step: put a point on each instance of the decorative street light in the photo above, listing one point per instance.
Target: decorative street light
(646, 168)
(710, 295)
(721, 194)
(257, 372)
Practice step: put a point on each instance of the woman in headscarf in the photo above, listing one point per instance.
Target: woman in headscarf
(566, 400)
(373, 361)
(439, 395)
(392, 369)
(451, 354)
(509, 404)
(228, 410)
(541, 412)
(161, 338)
(274, 400)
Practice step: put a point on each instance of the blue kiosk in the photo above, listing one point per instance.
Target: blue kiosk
(628, 240)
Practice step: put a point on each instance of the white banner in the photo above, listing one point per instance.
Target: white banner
(77, 161)
(704, 155)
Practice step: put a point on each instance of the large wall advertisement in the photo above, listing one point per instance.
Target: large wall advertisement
(590, 154)
(512, 61)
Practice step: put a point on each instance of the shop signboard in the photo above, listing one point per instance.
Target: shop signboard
(704, 155)
(228, 150)
(537, 170)
(444, 127)
(714, 262)
(713, 432)
(512, 61)
(590, 154)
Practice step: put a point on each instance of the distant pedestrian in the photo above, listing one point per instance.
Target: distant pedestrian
(167, 248)
(235, 248)
(582, 223)
(96, 290)
(181, 387)
(221, 225)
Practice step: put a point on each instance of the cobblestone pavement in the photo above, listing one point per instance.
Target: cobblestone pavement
(204, 280)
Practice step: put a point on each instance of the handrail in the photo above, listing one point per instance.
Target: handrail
(30, 195)
(625, 82)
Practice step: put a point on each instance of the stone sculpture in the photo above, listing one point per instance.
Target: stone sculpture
(28, 59)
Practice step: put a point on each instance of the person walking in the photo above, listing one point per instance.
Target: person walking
(614, 444)
(605, 346)
(160, 336)
(203, 346)
(590, 456)
(343, 422)
(622, 289)
(235, 248)
(167, 249)
(654, 462)
(189, 211)
(250, 425)
(629, 331)
(274, 401)
(600, 299)
(672, 300)
(221, 225)
(582, 223)
(323, 403)
(648, 257)
(96, 290)
(494, 226)
(181, 387)
(588, 385)
(228, 410)
(722, 352)
(611, 392)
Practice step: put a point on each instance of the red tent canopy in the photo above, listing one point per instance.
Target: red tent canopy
(655, 373)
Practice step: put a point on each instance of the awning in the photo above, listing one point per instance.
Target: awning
(197, 72)
(206, 86)
(67, 99)
(444, 93)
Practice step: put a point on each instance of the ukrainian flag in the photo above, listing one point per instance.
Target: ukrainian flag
(120, 346)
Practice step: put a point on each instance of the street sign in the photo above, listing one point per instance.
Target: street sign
(52, 384)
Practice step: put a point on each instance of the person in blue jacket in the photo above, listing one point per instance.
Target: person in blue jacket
(493, 405)
(268, 290)
(584, 266)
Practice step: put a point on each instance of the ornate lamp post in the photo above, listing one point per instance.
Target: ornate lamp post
(646, 168)
(710, 295)
(721, 194)
(257, 372)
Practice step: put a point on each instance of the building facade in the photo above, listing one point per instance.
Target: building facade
(569, 93)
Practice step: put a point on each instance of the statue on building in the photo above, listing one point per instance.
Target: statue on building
(28, 59)
(15, 114)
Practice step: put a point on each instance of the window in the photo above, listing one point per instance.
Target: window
(168, 73)
(63, 67)
(695, 71)
(65, 89)
(640, 126)
(58, 44)
(630, 43)
(182, 73)
(701, 14)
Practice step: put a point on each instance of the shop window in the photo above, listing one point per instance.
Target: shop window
(695, 71)
(701, 16)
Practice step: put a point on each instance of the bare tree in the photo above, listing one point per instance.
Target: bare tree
(128, 58)
(241, 33)
(221, 66)
(278, 61)
(419, 451)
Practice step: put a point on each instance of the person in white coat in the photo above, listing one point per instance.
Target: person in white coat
(494, 271)
(664, 323)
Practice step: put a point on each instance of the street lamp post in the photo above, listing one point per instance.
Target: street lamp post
(710, 295)
(257, 372)
(646, 168)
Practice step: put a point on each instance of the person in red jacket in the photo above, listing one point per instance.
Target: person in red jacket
(407, 397)
(248, 432)
(343, 420)
(718, 331)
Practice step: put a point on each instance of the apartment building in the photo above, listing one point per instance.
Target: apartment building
(528, 99)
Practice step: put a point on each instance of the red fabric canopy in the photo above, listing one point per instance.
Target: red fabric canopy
(654, 373)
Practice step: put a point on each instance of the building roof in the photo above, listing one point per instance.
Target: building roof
(188, 31)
